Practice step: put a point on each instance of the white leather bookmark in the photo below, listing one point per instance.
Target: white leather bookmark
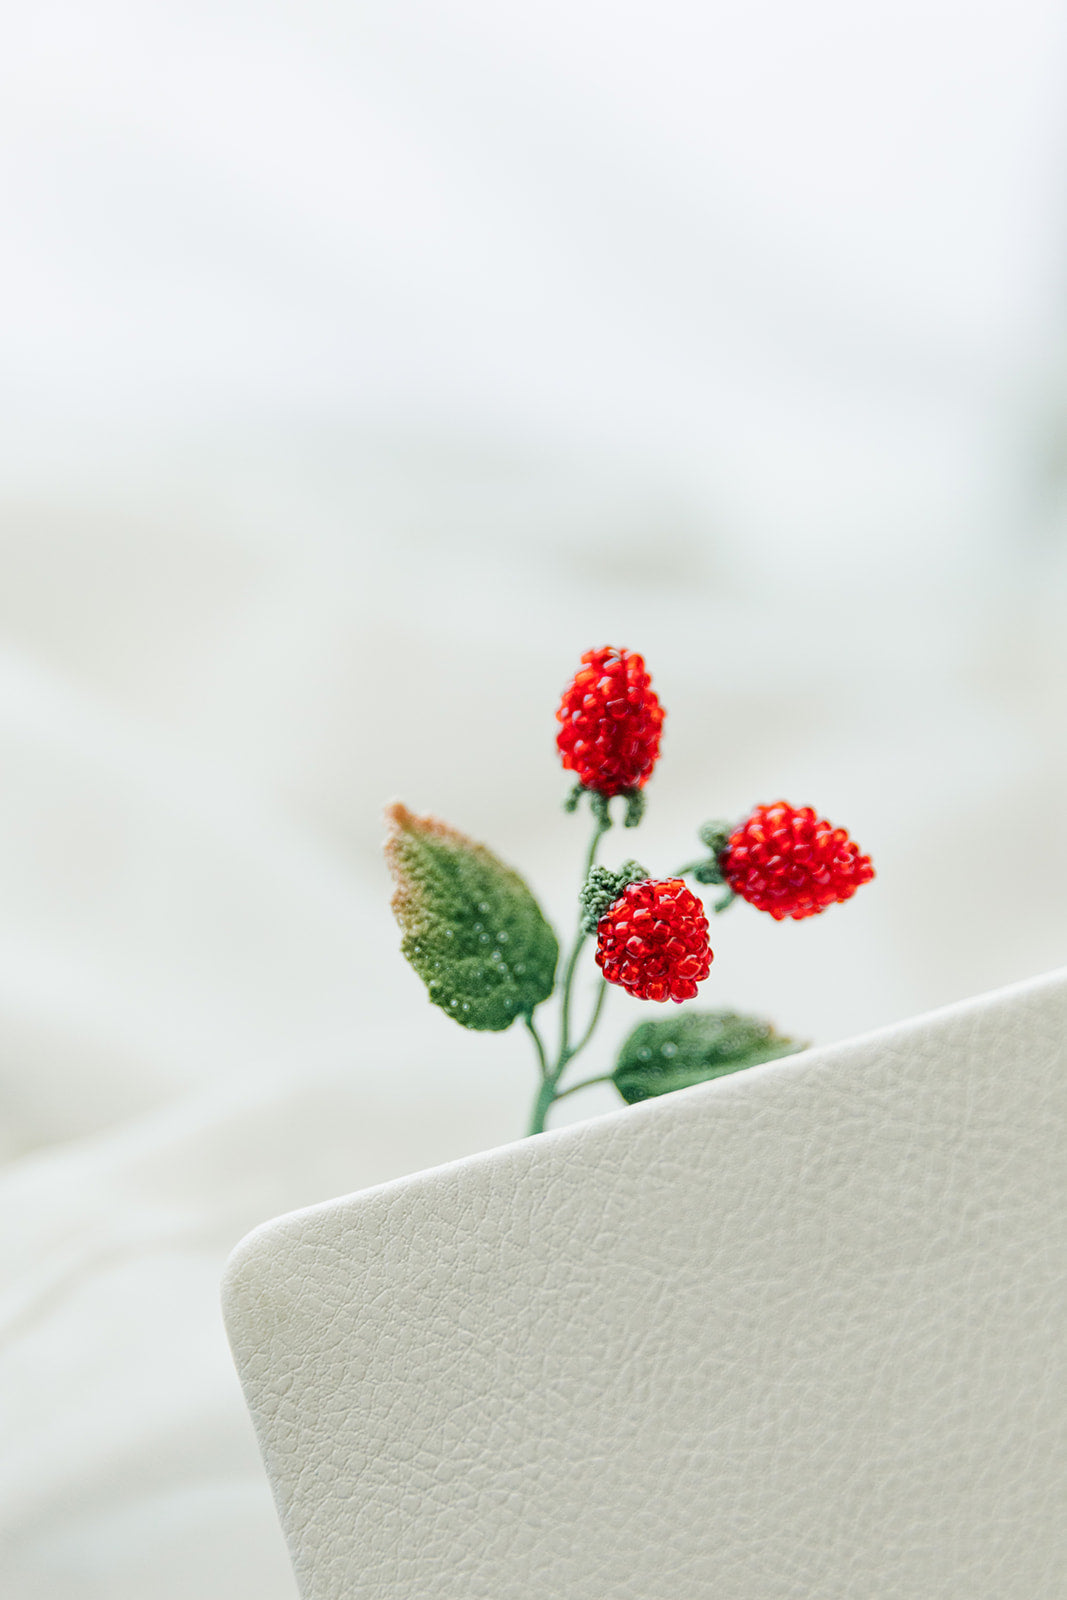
(797, 1334)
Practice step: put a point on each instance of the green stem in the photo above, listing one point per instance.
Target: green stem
(605, 1077)
(565, 1008)
(720, 905)
(546, 1095)
(550, 1076)
(602, 826)
(565, 1051)
(593, 1020)
(531, 1029)
(547, 1092)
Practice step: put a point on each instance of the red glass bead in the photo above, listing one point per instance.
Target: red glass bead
(610, 721)
(653, 941)
(792, 863)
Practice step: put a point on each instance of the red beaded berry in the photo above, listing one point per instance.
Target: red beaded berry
(792, 863)
(653, 941)
(610, 721)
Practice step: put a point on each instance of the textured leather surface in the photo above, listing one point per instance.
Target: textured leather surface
(794, 1335)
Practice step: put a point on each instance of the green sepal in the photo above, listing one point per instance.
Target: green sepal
(635, 807)
(691, 1048)
(600, 805)
(602, 888)
(716, 836)
(471, 927)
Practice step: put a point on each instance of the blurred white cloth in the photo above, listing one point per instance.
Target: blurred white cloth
(359, 370)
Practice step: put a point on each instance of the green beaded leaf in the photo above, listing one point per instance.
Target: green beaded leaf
(471, 928)
(691, 1048)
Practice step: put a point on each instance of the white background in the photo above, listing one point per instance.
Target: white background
(359, 367)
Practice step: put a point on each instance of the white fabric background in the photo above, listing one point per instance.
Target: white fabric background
(360, 366)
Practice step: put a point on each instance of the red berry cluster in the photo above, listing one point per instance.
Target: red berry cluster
(653, 941)
(610, 721)
(792, 863)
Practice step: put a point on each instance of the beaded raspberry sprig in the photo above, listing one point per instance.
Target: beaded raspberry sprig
(477, 937)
